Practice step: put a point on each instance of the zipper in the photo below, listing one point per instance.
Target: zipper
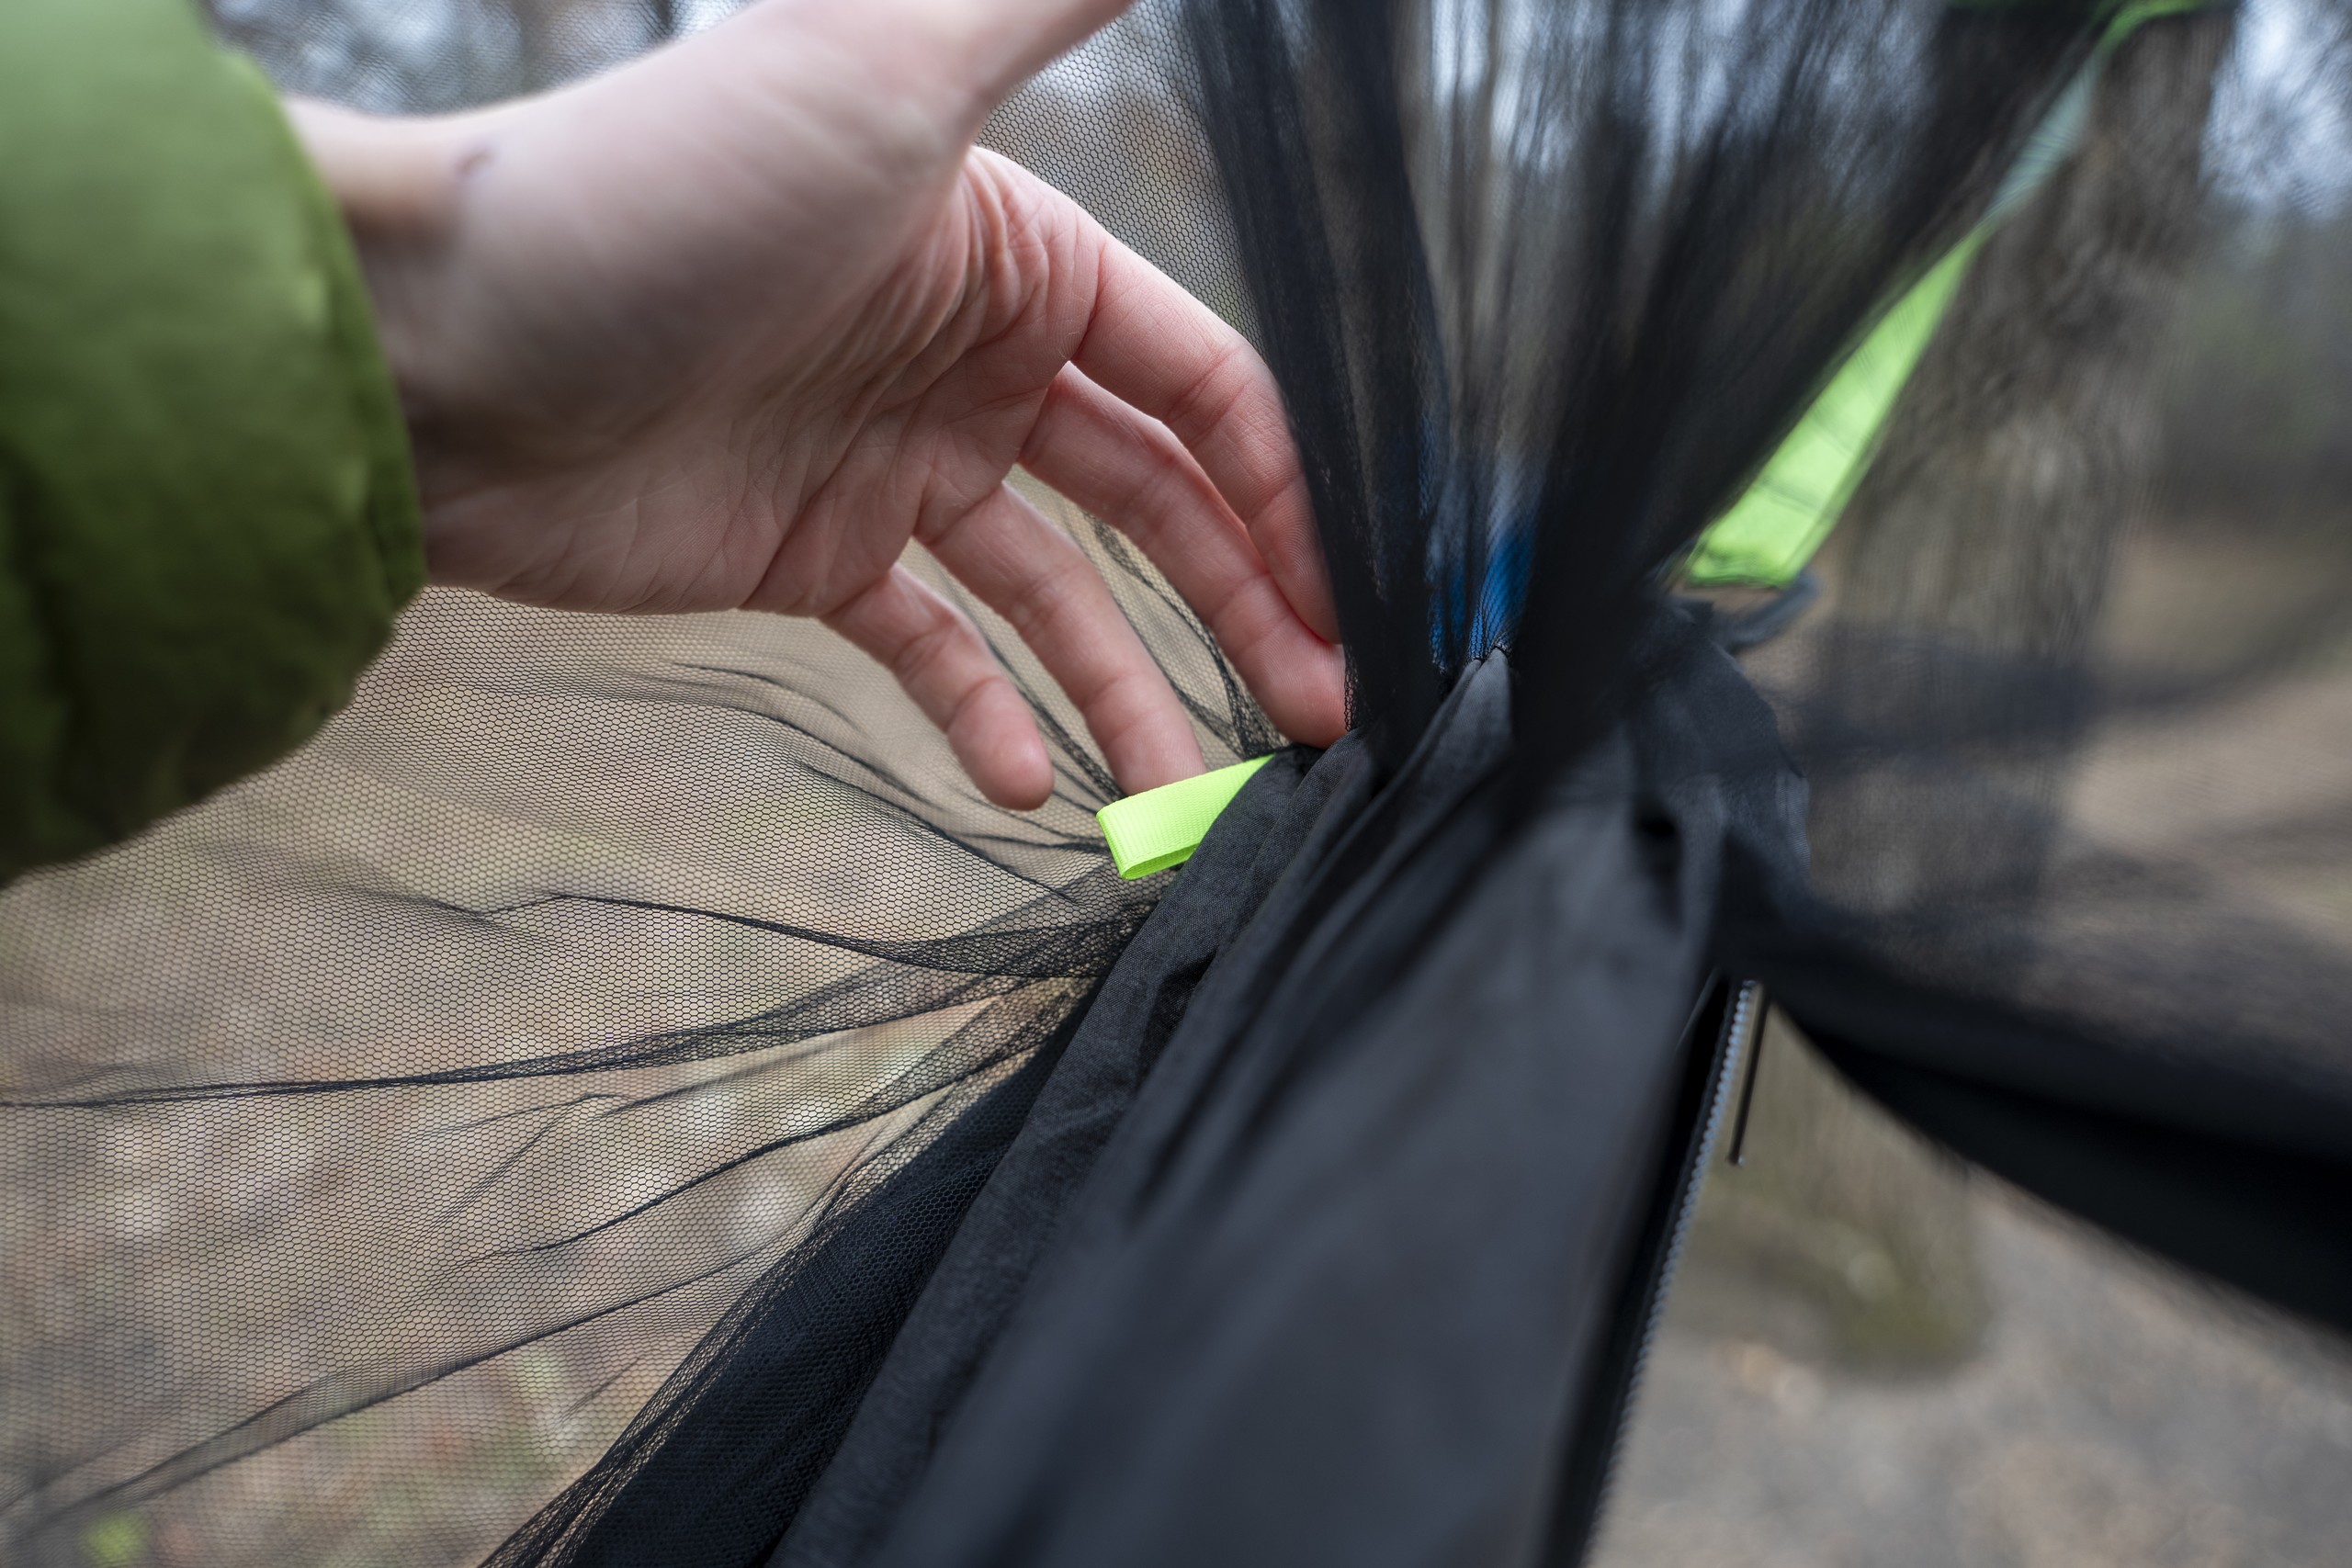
(1723, 1035)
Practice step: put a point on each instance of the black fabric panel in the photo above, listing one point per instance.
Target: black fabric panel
(1334, 1288)
(1016, 1216)
(2245, 1098)
(717, 1464)
(2269, 1220)
(2228, 1162)
(1590, 1451)
(720, 1463)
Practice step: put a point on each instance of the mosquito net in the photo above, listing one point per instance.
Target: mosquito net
(620, 1096)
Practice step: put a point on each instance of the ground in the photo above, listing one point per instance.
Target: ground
(2111, 1411)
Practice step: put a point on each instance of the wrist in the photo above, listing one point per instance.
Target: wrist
(396, 180)
(393, 179)
(398, 184)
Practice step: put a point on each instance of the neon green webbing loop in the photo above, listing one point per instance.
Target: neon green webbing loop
(1776, 525)
(1768, 535)
(1161, 828)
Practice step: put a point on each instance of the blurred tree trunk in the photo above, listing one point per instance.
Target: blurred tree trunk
(1981, 537)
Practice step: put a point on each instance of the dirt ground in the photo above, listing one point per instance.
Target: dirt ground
(2110, 1411)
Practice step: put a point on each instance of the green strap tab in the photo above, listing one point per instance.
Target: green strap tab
(1161, 828)
(1776, 525)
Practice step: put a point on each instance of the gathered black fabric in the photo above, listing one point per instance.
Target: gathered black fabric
(620, 1097)
(1317, 1233)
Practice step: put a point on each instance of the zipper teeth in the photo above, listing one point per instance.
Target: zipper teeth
(1739, 1040)
(1739, 1037)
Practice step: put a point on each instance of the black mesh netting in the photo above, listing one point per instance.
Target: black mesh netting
(621, 1097)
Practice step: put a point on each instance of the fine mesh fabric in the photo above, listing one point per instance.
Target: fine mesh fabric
(620, 1096)
(450, 1187)
(2080, 827)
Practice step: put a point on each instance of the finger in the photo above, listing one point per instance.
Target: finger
(1160, 350)
(1033, 574)
(1132, 471)
(938, 656)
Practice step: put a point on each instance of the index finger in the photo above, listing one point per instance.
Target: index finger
(1163, 353)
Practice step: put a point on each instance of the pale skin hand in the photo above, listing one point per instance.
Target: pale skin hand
(727, 328)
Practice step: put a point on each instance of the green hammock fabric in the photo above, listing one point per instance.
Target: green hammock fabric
(206, 516)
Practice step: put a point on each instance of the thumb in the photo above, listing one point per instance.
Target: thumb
(964, 55)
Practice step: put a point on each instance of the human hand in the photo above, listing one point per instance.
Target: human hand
(728, 327)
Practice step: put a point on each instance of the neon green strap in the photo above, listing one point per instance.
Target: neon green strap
(1778, 522)
(1161, 828)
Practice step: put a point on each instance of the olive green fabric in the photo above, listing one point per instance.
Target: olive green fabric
(207, 517)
